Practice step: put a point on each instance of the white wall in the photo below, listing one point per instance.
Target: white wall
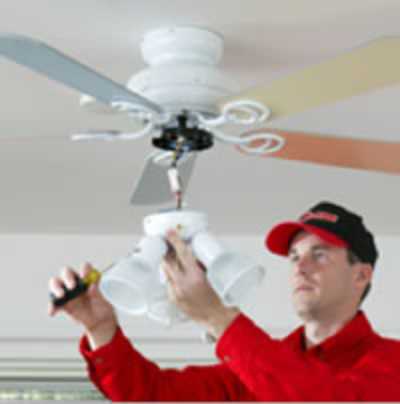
(27, 261)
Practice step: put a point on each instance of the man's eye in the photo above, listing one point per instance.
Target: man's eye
(293, 258)
(320, 255)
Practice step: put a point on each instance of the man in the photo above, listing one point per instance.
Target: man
(335, 356)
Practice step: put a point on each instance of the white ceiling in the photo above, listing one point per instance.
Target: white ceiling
(49, 184)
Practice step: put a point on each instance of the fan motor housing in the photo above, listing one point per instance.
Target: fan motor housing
(195, 139)
(183, 70)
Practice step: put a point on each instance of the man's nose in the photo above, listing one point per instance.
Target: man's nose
(301, 267)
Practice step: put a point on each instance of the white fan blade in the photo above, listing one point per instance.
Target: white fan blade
(153, 187)
(50, 62)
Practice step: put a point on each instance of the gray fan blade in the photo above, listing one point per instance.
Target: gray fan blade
(59, 67)
(153, 187)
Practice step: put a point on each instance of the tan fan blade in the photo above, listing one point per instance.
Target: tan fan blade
(364, 69)
(337, 151)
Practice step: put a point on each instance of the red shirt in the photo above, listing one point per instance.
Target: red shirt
(355, 364)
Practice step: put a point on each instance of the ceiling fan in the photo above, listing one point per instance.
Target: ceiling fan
(184, 100)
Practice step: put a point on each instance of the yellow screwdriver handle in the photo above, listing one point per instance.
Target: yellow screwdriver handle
(93, 276)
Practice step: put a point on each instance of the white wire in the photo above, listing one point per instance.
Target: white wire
(164, 158)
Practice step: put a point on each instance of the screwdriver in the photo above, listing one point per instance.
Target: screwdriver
(82, 285)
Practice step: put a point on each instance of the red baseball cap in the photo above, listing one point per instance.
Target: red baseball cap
(331, 223)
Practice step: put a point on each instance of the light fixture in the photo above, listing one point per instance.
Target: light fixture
(136, 285)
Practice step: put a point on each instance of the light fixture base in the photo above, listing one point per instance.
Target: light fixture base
(186, 223)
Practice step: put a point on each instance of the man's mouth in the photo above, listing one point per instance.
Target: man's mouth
(303, 288)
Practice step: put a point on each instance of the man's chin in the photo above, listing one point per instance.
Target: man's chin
(305, 310)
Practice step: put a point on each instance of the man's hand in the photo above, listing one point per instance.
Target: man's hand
(90, 310)
(190, 290)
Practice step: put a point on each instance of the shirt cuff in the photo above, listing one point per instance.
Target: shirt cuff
(103, 358)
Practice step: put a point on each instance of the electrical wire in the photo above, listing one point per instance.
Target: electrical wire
(175, 180)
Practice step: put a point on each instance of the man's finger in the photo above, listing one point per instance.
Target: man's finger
(85, 270)
(172, 260)
(56, 287)
(172, 270)
(69, 276)
(51, 309)
(184, 255)
(165, 274)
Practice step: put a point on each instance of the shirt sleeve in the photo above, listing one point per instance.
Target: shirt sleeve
(273, 371)
(123, 374)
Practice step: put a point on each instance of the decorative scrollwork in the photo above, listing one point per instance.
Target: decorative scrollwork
(242, 112)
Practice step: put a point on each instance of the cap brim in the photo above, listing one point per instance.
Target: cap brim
(279, 238)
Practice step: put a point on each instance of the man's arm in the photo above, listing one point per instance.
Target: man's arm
(123, 374)
(119, 371)
(190, 290)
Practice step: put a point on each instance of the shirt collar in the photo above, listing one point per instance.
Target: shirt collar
(345, 339)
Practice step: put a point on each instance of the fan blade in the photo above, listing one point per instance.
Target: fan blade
(153, 187)
(59, 67)
(337, 151)
(364, 69)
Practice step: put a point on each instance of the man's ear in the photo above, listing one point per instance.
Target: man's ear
(363, 274)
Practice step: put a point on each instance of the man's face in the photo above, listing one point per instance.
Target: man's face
(323, 282)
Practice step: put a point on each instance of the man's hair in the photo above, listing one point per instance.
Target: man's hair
(353, 259)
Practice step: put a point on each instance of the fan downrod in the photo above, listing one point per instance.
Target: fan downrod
(193, 137)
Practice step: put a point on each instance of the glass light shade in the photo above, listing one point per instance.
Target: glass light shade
(161, 309)
(233, 276)
(130, 284)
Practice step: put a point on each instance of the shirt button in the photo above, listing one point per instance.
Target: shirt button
(322, 357)
(98, 360)
(227, 358)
